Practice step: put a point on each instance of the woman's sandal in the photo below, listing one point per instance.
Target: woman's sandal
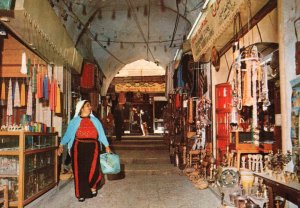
(81, 199)
(94, 193)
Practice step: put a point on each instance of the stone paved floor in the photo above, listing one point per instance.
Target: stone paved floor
(135, 191)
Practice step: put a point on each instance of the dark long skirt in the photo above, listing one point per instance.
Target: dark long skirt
(85, 164)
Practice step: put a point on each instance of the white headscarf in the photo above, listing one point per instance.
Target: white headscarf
(79, 105)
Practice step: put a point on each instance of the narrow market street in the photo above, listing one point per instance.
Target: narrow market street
(150, 181)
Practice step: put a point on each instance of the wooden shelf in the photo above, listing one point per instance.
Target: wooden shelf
(34, 151)
(9, 152)
(8, 175)
(13, 203)
(39, 168)
(22, 153)
(36, 195)
(17, 133)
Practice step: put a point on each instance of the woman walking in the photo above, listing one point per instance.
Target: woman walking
(85, 136)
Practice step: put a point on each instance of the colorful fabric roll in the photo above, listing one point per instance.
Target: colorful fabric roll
(177, 101)
(39, 86)
(53, 92)
(9, 111)
(45, 86)
(33, 80)
(17, 102)
(23, 99)
(180, 82)
(191, 120)
(23, 66)
(3, 90)
(58, 104)
(29, 100)
(28, 67)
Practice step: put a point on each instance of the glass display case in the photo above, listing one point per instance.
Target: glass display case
(28, 165)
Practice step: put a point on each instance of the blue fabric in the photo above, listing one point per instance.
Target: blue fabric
(110, 163)
(46, 94)
(180, 82)
(69, 135)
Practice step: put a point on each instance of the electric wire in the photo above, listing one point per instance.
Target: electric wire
(176, 24)
(139, 26)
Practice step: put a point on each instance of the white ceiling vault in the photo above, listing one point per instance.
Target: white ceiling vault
(117, 32)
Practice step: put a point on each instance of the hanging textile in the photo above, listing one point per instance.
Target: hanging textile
(122, 98)
(39, 85)
(180, 82)
(3, 90)
(17, 95)
(23, 66)
(9, 111)
(191, 116)
(23, 101)
(247, 98)
(53, 95)
(45, 85)
(177, 101)
(29, 100)
(33, 80)
(58, 104)
(87, 79)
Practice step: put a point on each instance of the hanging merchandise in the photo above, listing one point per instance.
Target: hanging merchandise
(180, 83)
(122, 98)
(58, 104)
(3, 90)
(29, 100)
(23, 101)
(297, 47)
(265, 88)
(33, 80)
(9, 111)
(255, 65)
(87, 79)
(53, 95)
(46, 87)
(23, 66)
(247, 98)
(177, 101)
(191, 116)
(28, 69)
(17, 95)
(39, 85)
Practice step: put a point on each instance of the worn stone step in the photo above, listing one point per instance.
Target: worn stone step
(139, 147)
(150, 169)
(148, 160)
(139, 142)
(140, 137)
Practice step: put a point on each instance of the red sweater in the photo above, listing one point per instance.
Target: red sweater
(86, 129)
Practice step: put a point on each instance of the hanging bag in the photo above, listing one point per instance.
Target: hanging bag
(297, 49)
(110, 163)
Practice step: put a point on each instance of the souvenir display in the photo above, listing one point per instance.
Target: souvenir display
(40, 164)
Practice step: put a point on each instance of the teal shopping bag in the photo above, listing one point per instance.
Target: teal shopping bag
(110, 163)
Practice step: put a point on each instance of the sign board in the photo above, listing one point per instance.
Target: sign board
(214, 22)
(141, 87)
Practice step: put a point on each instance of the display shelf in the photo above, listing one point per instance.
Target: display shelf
(35, 165)
(9, 152)
(34, 151)
(3, 175)
(38, 168)
(31, 198)
(4, 197)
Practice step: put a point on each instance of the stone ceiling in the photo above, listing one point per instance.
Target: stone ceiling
(115, 33)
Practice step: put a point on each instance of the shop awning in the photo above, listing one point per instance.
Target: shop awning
(215, 27)
(38, 26)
